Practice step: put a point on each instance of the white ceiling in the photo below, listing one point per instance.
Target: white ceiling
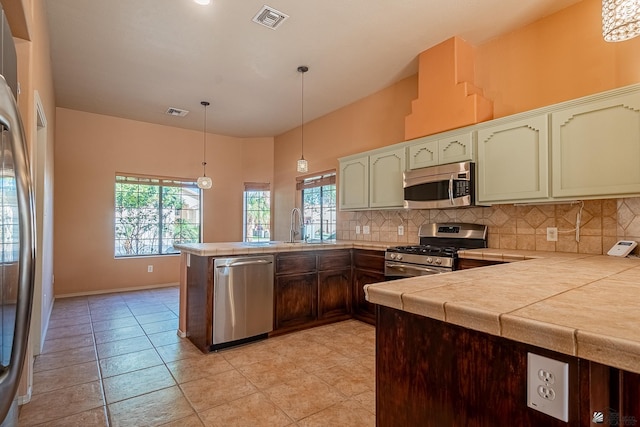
(136, 58)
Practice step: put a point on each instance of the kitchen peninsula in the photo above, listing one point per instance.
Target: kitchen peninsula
(452, 348)
(314, 283)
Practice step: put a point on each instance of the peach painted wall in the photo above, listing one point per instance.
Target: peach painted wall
(91, 148)
(374, 121)
(558, 58)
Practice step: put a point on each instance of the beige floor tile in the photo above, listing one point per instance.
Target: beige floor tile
(194, 368)
(182, 350)
(119, 334)
(349, 382)
(143, 319)
(164, 338)
(163, 326)
(106, 314)
(250, 353)
(120, 347)
(367, 400)
(248, 411)
(129, 362)
(50, 406)
(218, 389)
(142, 309)
(306, 396)
(95, 418)
(74, 356)
(68, 331)
(69, 321)
(61, 313)
(136, 383)
(56, 379)
(151, 409)
(67, 343)
(347, 413)
(122, 322)
(190, 421)
(271, 372)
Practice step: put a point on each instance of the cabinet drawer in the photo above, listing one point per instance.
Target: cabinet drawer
(334, 260)
(368, 260)
(293, 263)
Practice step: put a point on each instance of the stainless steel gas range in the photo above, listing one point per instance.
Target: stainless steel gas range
(437, 251)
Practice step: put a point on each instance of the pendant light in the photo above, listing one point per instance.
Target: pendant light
(620, 19)
(303, 166)
(204, 182)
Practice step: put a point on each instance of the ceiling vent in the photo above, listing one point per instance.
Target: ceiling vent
(269, 17)
(177, 112)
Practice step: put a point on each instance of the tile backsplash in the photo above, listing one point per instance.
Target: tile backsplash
(603, 222)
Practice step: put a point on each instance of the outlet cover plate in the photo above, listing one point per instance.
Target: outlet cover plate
(548, 386)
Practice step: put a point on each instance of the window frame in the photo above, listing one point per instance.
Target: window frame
(161, 182)
(255, 187)
(312, 181)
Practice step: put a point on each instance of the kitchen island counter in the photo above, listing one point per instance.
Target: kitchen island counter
(575, 304)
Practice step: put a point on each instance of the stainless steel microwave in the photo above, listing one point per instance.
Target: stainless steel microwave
(440, 187)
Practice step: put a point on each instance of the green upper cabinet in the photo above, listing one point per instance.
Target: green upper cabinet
(373, 180)
(513, 161)
(596, 148)
(439, 150)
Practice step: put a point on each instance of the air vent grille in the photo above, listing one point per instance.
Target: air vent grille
(269, 17)
(177, 112)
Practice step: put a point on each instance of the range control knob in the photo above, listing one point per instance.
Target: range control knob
(399, 257)
(392, 256)
(438, 261)
(429, 260)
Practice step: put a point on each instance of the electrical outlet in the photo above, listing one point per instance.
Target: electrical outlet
(149, 268)
(552, 234)
(548, 386)
(365, 229)
(357, 229)
(400, 230)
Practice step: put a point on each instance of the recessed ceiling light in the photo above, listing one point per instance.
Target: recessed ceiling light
(203, 2)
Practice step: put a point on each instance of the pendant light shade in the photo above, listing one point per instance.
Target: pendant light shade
(620, 19)
(303, 166)
(204, 182)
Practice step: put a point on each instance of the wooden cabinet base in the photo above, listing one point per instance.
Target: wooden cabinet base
(431, 373)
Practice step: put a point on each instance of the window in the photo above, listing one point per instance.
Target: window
(257, 212)
(9, 220)
(319, 206)
(151, 214)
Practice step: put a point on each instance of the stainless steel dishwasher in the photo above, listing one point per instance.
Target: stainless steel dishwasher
(242, 299)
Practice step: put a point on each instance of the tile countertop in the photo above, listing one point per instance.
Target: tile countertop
(582, 305)
(253, 248)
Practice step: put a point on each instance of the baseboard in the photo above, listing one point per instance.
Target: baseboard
(182, 334)
(111, 291)
(25, 398)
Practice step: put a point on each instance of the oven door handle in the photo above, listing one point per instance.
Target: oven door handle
(412, 267)
(451, 190)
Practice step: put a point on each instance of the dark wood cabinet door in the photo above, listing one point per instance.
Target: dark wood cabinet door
(334, 259)
(295, 262)
(363, 309)
(296, 299)
(334, 293)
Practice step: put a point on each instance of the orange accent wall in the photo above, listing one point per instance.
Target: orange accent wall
(557, 58)
(447, 96)
(91, 149)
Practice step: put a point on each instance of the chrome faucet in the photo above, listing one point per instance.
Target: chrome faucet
(292, 230)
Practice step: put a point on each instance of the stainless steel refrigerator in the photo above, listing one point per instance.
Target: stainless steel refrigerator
(16, 235)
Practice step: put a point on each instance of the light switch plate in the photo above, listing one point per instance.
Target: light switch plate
(357, 229)
(548, 386)
(365, 229)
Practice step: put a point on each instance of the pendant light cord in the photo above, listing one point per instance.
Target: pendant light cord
(204, 140)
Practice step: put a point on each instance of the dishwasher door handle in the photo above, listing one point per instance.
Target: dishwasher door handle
(244, 263)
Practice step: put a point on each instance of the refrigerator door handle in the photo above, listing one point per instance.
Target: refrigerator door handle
(10, 119)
